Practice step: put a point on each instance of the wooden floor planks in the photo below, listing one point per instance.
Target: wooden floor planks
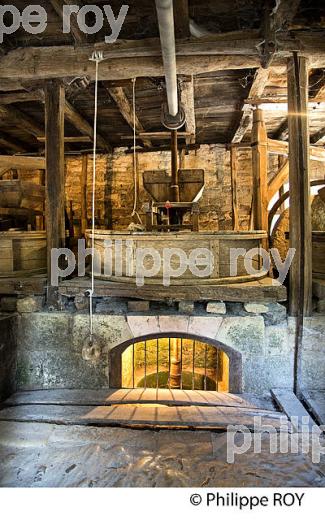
(315, 403)
(151, 416)
(293, 408)
(129, 396)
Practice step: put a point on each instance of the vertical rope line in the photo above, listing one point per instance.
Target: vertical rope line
(135, 172)
(93, 214)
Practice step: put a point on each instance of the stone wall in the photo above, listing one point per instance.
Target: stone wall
(8, 355)
(115, 184)
(50, 345)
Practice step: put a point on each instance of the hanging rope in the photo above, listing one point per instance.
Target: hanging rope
(97, 57)
(135, 163)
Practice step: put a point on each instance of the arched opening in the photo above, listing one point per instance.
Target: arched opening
(175, 361)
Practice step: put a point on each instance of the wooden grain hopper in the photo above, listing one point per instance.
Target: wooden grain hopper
(20, 194)
(158, 184)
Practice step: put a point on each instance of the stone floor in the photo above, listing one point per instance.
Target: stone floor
(49, 455)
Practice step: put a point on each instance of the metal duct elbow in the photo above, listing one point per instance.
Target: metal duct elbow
(165, 15)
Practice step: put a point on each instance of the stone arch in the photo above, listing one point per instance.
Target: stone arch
(235, 357)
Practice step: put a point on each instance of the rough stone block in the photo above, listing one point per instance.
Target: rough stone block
(255, 308)
(138, 306)
(30, 304)
(186, 307)
(216, 308)
(247, 335)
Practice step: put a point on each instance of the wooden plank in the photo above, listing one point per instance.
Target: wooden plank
(257, 88)
(188, 103)
(55, 192)
(75, 139)
(259, 168)
(234, 175)
(314, 401)
(299, 179)
(113, 396)
(270, 291)
(155, 416)
(282, 148)
(22, 286)
(124, 106)
(22, 162)
(79, 122)
(293, 408)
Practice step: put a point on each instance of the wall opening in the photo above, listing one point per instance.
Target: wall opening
(175, 363)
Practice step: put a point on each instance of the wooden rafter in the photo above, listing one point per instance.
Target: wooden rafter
(77, 34)
(83, 126)
(24, 121)
(258, 85)
(188, 103)
(7, 143)
(126, 110)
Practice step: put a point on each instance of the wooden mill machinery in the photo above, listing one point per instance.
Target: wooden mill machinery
(173, 195)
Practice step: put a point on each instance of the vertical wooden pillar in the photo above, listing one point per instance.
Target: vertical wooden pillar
(84, 194)
(259, 167)
(55, 189)
(300, 210)
(234, 172)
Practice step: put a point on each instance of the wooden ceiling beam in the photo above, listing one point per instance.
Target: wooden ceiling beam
(128, 59)
(78, 121)
(126, 110)
(257, 88)
(21, 97)
(188, 103)
(74, 139)
(78, 36)
(316, 95)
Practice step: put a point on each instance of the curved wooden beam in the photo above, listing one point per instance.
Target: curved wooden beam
(284, 197)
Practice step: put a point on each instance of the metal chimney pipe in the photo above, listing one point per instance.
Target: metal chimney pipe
(165, 15)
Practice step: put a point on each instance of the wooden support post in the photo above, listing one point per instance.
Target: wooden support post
(259, 167)
(234, 172)
(55, 193)
(84, 194)
(300, 210)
